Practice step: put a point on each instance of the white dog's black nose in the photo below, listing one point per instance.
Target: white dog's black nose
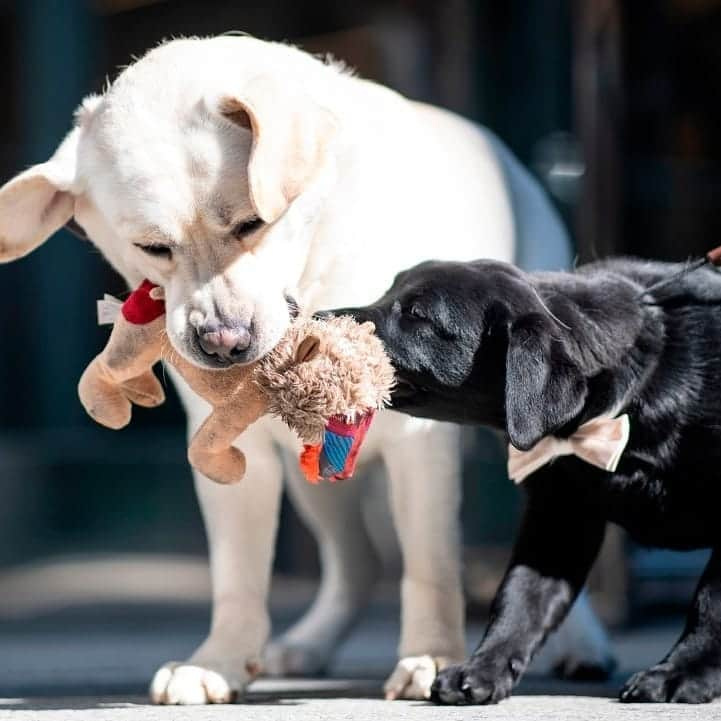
(224, 341)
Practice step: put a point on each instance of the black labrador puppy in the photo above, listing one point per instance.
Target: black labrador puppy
(539, 355)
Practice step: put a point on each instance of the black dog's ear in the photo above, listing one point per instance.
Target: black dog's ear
(544, 388)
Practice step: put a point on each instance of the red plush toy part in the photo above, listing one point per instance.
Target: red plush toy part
(141, 306)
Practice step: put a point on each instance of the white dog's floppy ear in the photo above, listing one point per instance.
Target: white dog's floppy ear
(36, 203)
(545, 389)
(292, 136)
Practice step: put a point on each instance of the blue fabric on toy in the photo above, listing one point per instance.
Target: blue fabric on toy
(335, 453)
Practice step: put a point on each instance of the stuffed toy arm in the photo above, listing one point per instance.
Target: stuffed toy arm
(122, 373)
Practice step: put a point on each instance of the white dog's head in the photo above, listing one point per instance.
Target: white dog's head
(202, 168)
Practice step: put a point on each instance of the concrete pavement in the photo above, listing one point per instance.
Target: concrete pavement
(520, 707)
(94, 661)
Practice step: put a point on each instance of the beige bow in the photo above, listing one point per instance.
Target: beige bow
(599, 442)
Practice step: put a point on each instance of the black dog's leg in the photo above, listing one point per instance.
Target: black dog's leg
(557, 545)
(691, 672)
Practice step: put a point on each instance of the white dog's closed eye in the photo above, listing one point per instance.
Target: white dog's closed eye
(247, 227)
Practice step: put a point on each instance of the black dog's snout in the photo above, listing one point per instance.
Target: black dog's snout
(226, 342)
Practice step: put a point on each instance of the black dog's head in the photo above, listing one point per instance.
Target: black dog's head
(474, 343)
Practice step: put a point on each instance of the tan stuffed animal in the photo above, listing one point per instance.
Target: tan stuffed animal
(325, 379)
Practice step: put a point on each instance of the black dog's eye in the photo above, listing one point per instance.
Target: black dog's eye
(156, 251)
(417, 312)
(244, 229)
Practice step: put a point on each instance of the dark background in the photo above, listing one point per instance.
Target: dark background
(615, 105)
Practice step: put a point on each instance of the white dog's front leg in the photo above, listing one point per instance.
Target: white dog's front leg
(241, 522)
(424, 474)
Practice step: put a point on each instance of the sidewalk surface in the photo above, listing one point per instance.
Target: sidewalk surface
(518, 708)
(94, 662)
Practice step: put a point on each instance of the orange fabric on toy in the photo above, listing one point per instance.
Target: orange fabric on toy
(310, 462)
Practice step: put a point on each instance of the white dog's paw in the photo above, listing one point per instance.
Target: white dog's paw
(285, 658)
(412, 677)
(178, 683)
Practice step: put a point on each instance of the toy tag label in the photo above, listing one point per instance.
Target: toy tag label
(108, 309)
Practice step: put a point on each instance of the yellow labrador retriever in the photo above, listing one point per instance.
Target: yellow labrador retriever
(242, 174)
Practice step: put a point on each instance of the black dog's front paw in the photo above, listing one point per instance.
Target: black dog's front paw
(481, 680)
(664, 683)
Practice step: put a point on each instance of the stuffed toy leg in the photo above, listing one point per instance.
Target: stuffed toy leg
(211, 450)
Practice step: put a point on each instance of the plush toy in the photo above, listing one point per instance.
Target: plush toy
(325, 379)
